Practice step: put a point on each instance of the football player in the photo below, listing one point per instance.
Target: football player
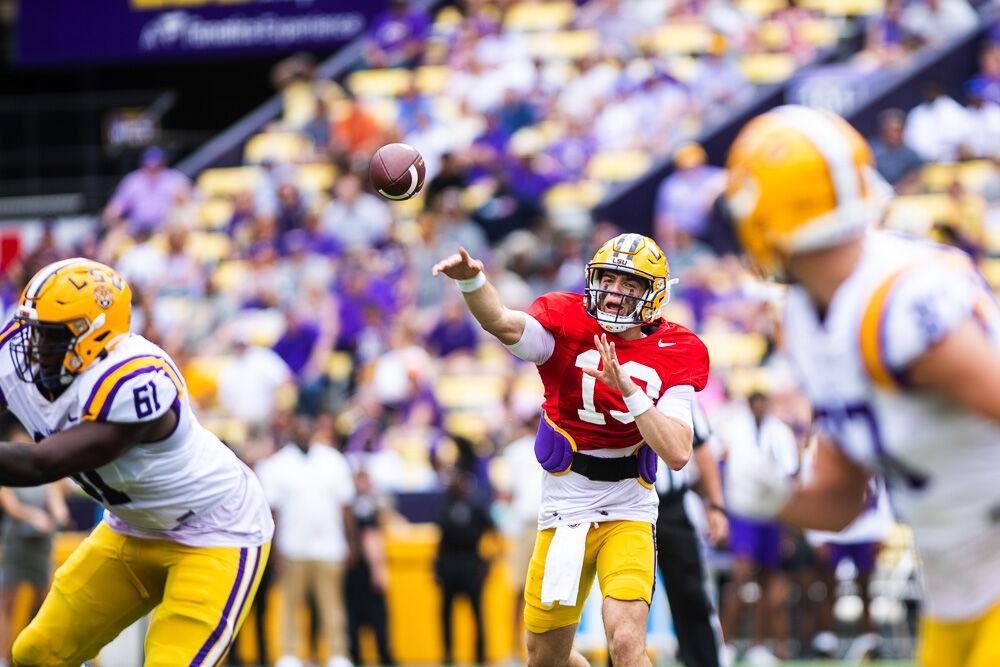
(619, 382)
(186, 532)
(897, 343)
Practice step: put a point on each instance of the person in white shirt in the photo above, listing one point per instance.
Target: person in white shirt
(936, 21)
(937, 128)
(354, 217)
(310, 487)
(756, 545)
(250, 383)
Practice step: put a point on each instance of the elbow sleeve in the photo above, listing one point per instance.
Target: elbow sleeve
(536, 343)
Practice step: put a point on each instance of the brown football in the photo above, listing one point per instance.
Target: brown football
(397, 171)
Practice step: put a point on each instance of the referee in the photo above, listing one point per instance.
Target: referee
(679, 552)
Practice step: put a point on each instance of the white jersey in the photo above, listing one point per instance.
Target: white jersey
(188, 487)
(940, 462)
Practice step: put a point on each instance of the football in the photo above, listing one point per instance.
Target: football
(397, 171)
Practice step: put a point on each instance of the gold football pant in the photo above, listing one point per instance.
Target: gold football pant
(201, 596)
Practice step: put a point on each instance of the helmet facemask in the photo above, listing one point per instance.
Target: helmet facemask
(628, 310)
(44, 352)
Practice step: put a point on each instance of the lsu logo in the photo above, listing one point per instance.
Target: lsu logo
(103, 297)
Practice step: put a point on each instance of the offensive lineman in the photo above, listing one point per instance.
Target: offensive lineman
(599, 442)
(186, 532)
(897, 342)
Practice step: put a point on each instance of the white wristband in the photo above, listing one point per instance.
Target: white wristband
(638, 403)
(473, 283)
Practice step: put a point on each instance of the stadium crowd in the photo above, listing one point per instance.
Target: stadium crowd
(316, 342)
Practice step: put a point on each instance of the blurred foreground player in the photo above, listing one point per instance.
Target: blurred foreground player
(187, 531)
(599, 442)
(897, 342)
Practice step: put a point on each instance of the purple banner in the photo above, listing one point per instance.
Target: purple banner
(72, 31)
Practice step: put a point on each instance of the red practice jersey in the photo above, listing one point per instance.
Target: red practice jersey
(591, 412)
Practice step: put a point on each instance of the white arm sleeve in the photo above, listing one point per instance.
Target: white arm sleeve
(536, 344)
(678, 402)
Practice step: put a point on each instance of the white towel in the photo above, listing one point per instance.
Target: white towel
(563, 564)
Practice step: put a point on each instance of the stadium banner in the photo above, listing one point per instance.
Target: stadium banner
(70, 31)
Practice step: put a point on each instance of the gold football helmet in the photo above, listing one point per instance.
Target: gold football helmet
(68, 315)
(800, 179)
(636, 255)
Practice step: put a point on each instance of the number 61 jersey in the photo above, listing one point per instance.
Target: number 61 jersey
(188, 487)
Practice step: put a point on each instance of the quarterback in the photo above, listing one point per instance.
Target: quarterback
(897, 343)
(619, 383)
(186, 531)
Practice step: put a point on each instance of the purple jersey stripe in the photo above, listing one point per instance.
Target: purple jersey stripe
(110, 400)
(246, 598)
(100, 381)
(9, 330)
(217, 632)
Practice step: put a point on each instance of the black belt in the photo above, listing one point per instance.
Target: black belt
(600, 469)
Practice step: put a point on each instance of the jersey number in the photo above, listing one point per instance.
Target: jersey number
(145, 400)
(592, 359)
(99, 490)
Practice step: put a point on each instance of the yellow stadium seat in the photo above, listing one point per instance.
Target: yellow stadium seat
(574, 195)
(845, 7)
(734, 349)
(298, 104)
(208, 247)
(991, 271)
(447, 20)
(680, 38)
(818, 32)
(379, 82)
(761, 68)
(618, 165)
(316, 177)
(229, 274)
(384, 109)
(683, 68)
(973, 175)
(216, 212)
(468, 392)
(564, 45)
(774, 35)
(228, 181)
(432, 80)
(277, 146)
(536, 16)
(339, 366)
(761, 8)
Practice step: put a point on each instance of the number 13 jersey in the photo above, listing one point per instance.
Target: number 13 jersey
(188, 487)
(594, 415)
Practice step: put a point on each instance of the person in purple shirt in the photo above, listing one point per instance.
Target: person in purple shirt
(147, 196)
(453, 332)
(397, 36)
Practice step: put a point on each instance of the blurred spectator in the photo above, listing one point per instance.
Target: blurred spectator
(451, 174)
(459, 567)
(292, 211)
(454, 331)
(987, 82)
(720, 85)
(310, 488)
(454, 227)
(305, 348)
(250, 384)
(886, 40)
(937, 21)
(412, 104)
(984, 141)
(756, 545)
(397, 36)
(32, 515)
(938, 127)
(318, 129)
(368, 577)
(355, 218)
(146, 197)
(356, 131)
(893, 158)
(685, 197)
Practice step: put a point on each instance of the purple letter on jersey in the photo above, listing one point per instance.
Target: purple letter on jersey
(552, 449)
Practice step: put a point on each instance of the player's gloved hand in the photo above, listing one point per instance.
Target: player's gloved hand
(755, 485)
(460, 266)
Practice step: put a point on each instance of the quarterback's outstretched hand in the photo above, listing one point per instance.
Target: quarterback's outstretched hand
(458, 267)
(611, 372)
